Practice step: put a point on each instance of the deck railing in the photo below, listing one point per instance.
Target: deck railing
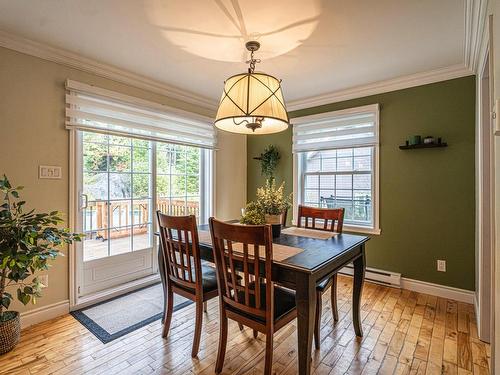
(125, 216)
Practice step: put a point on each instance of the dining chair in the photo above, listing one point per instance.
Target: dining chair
(326, 219)
(186, 274)
(284, 215)
(257, 304)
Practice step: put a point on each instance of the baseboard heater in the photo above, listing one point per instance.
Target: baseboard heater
(374, 275)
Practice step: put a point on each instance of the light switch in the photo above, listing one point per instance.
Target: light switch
(50, 172)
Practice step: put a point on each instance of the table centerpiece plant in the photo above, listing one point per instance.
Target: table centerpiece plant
(269, 206)
(28, 241)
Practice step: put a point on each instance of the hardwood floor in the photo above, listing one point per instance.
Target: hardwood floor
(405, 333)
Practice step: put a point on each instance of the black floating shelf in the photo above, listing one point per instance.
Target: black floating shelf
(423, 145)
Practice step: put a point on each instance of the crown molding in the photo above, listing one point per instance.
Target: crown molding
(412, 80)
(76, 61)
(475, 21)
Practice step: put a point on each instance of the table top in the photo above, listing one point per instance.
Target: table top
(316, 252)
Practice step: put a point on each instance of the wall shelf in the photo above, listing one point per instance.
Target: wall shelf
(423, 145)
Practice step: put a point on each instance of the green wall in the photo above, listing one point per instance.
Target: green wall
(426, 196)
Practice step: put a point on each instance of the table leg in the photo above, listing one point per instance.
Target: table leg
(162, 271)
(305, 298)
(357, 290)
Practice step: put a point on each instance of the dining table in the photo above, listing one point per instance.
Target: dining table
(318, 259)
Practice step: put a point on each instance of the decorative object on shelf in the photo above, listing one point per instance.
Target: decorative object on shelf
(252, 103)
(415, 140)
(429, 140)
(270, 204)
(269, 161)
(424, 145)
(28, 240)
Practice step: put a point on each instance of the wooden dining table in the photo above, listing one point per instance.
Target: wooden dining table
(319, 259)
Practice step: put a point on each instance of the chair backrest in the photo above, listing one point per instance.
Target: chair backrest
(179, 243)
(284, 215)
(328, 217)
(238, 248)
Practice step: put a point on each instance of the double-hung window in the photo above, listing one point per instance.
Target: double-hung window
(336, 164)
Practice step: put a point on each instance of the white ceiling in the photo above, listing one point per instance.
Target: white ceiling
(315, 46)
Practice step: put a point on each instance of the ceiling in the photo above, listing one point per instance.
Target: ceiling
(315, 47)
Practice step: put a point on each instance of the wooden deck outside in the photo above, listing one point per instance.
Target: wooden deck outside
(98, 248)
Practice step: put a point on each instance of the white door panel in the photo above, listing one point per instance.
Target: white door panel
(108, 272)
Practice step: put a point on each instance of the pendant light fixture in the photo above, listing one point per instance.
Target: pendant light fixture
(252, 103)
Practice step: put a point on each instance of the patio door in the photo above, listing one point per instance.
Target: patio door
(115, 189)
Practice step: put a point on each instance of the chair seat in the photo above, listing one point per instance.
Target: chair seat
(284, 301)
(324, 284)
(209, 278)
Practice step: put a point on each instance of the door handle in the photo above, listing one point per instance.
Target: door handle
(84, 198)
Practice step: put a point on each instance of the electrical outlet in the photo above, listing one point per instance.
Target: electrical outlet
(44, 279)
(441, 265)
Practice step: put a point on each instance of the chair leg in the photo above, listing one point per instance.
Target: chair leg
(268, 366)
(221, 353)
(169, 311)
(205, 306)
(197, 328)
(255, 333)
(317, 321)
(335, 310)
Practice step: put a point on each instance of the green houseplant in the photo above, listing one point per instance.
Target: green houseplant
(269, 161)
(28, 241)
(270, 204)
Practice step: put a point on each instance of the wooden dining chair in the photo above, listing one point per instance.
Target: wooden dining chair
(326, 219)
(257, 304)
(186, 275)
(284, 216)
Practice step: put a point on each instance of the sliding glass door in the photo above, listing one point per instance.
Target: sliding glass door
(121, 182)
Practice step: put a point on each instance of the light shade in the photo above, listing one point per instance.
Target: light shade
(252, 103)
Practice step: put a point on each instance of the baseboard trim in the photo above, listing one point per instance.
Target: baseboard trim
(44, 313)
(443, 291)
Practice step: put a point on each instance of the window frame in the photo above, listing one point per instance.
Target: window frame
(299, 173)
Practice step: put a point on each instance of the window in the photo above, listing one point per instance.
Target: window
(117, 178)
(336, 164)
(118, 181)
(180, 180)
(135, 157)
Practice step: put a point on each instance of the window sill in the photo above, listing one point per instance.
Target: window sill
(363, 230)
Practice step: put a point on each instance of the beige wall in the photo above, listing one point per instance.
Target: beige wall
(32, 133)
(231, 175)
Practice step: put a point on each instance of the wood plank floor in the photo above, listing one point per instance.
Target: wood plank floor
(405, 333)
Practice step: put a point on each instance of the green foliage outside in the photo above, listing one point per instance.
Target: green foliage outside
(178, 168)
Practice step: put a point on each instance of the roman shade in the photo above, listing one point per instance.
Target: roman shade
(95, 109)
(354, 127)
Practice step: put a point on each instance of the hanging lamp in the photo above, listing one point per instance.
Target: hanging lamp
(252, 103)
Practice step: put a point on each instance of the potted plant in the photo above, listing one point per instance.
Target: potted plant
(269, 206)
(269, 161)
(28, 241)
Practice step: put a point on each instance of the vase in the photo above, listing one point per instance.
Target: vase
(275, 221)
(10, 331)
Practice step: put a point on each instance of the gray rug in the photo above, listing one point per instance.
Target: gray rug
(114, 318)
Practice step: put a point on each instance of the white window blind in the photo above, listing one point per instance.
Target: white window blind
(95, 109)
(354, 127)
